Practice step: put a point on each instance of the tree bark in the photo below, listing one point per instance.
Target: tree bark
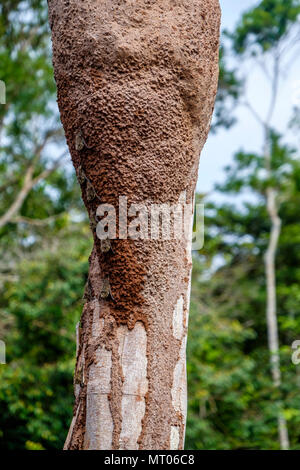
(136, 87)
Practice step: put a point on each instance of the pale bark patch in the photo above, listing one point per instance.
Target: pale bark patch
(174, 438)
(98, 323)
(179, 391)
(133, 359)
(99, 422)
(178, 326)
(70, 433)
(77, 337)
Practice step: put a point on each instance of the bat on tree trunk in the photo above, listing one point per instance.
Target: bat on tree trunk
(136, 83)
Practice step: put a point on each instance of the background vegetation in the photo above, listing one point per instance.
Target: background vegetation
(45, 243)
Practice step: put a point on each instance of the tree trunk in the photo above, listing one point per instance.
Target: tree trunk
(136, 86)
(272, 326)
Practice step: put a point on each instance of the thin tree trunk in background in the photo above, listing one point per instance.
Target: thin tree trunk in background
(273, 339)
(270, 255)
(136, 87)
(270, 269)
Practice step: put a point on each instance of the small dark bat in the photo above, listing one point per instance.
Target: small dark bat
(90, 192)
(105, 246)
(106, 290)
(81, 175)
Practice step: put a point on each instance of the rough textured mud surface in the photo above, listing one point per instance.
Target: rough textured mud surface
(136, 86)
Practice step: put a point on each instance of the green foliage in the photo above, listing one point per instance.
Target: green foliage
(233, 404)
(229, 91)
(43, 266)
(35, 405)
(44, 249)
(249, 172)
(39, 311)
(264, 26)
(29, 122)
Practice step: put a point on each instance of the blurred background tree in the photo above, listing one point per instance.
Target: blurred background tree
(45, 241)
(267, 35)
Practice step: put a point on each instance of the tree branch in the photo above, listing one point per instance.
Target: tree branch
(29, 183)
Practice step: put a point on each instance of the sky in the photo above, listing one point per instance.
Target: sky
(246, 134)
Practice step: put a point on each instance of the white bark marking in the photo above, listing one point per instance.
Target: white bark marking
(188, 301)
(175, 438)
(77, 390)
(132, 350)
(180, 324)
(178, 319)
(77, 337)
(189, 237)
(99, 423)
(182, 197)
(98, 322)
(179, 391)
(70, 433)
(80, 373)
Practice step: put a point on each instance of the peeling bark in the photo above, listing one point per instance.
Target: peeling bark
(136, 87)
